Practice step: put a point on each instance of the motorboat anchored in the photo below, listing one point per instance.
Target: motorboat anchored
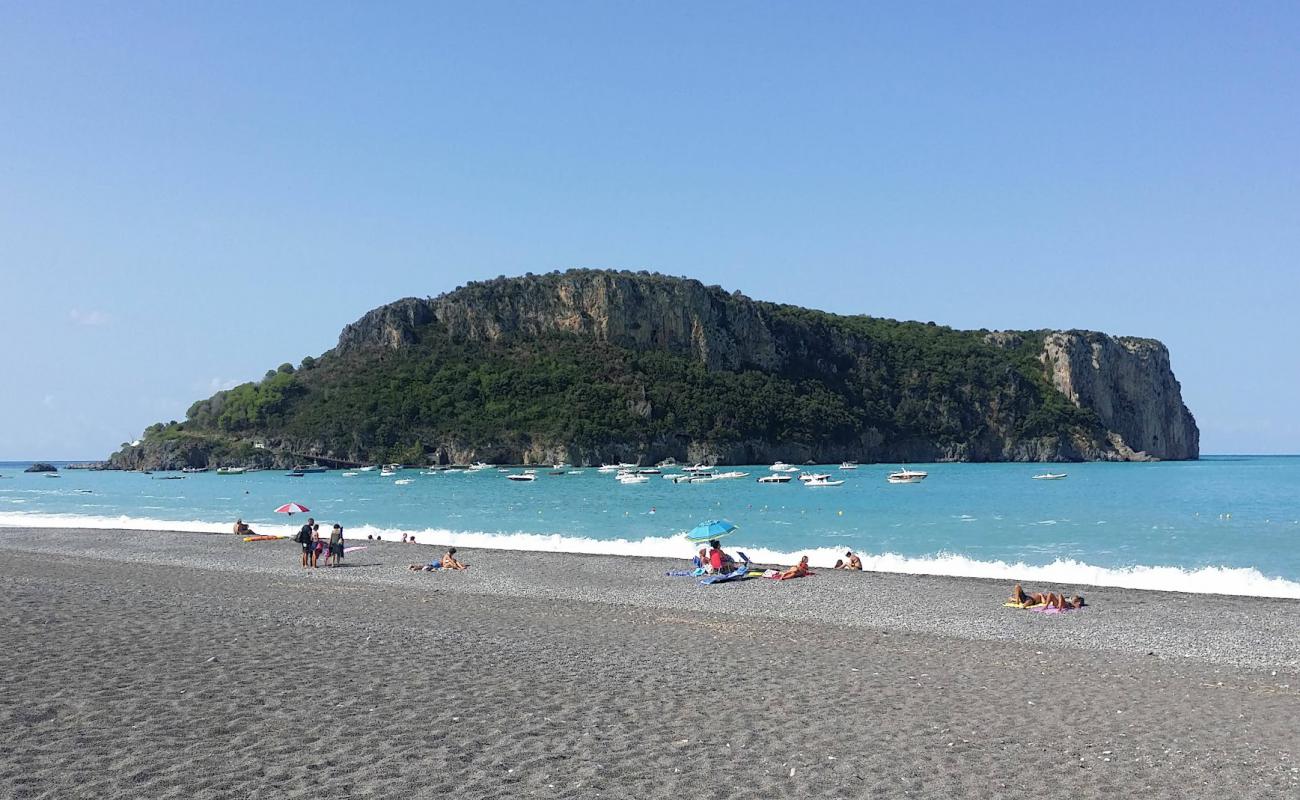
(849, 465)
(781, 466)
(231, 470)
(696, 468)
(907, 476)
(807, 477)
(822, 480)
(627, 478)
(522, 476)
(731, 476)
(1051, 476)
(775, 479)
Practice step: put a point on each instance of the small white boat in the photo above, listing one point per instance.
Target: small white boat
(731, 476)
(692, 477)
(386, 473)
(630, 478)
(560, 465)
(649, 471)
(696, 468)
(781, 466)
(370, 468)
(907, 476)
(403, 481)
(775, 479)
(349, 474)
(849, 465)
(523, 476)
(814, 476)
(822, 481)
(231, 470)
(609, 468)
(478, 466)
(1051, 476)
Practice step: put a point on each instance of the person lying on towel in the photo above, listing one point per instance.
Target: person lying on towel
(1021, 598)
(797, 571)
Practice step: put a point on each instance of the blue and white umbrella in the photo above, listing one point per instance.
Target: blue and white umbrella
(713, 529)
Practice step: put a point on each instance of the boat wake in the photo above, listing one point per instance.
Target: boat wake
(1059, 573)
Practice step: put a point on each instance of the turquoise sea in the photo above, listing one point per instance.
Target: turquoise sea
(1226, 524)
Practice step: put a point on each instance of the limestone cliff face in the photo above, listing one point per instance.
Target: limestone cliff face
(621, 308)
(1129, 384)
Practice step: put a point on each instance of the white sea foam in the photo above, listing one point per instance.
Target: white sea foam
(1061, 572)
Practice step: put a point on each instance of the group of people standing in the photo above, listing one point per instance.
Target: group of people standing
(313, 545)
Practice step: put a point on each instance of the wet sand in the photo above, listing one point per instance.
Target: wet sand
(198, 666)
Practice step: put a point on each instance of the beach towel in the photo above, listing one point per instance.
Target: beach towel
(734, 575)
(684, 573)
(261, 538)
(1055, 610)
(1014, 604)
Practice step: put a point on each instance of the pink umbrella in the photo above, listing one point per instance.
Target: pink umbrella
(292, 508)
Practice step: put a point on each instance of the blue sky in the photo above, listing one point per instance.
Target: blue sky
(192, 193)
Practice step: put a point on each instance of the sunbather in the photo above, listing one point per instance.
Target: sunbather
(449, 560)
(1049, 599)
(797, 571)
(1059, 602)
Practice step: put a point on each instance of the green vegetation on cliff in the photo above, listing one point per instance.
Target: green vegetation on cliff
(835, 387)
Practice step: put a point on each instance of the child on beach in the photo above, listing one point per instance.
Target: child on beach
(316, 546)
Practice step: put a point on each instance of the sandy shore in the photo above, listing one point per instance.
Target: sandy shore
(198, 666)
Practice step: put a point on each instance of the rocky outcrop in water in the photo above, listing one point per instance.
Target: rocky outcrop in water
(588, 366)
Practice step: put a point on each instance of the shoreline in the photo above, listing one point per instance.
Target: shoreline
(1240, 631)
(1208, 581)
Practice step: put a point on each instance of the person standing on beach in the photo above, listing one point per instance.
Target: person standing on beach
(316, 546)
(335, 547)
(304, 538)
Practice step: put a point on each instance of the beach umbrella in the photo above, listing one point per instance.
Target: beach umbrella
(713, 529)
(292, 508)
